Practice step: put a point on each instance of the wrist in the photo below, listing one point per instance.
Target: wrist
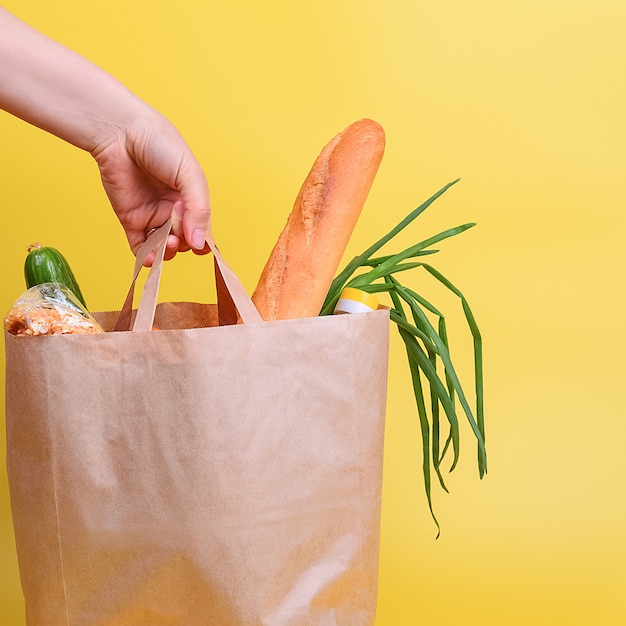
(129, 122)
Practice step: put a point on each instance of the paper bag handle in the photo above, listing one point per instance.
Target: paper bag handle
(232, 296)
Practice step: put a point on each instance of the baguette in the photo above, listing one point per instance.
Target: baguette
(303, 263)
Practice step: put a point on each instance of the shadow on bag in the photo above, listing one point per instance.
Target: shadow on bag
(210, 473)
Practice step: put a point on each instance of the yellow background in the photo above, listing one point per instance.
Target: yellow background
(525, 102)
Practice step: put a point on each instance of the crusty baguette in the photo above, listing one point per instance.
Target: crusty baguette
(303, 263)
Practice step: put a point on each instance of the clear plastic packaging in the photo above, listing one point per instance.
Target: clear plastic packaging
(49, 309)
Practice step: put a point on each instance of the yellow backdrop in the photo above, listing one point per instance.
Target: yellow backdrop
(525, 102)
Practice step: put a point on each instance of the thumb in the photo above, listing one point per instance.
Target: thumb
(197, 210)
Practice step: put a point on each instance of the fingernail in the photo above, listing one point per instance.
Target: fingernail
(198, 239)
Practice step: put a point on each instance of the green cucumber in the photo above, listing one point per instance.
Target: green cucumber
(48, 265)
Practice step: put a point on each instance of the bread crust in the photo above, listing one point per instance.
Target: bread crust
(305, 259)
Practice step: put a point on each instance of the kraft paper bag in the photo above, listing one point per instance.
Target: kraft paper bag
(208, 473)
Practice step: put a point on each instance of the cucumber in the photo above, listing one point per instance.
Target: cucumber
(48, 265)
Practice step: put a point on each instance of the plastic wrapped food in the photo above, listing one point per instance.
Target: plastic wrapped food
(49, 309)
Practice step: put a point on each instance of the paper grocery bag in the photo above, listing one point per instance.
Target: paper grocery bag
(200, 474)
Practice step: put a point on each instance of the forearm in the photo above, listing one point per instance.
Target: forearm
(57, 90)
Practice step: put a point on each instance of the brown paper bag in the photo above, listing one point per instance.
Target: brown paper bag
(225, 475)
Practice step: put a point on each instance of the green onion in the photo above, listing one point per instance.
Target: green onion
(427, 346)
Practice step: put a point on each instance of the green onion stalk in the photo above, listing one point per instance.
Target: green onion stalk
(426, 344)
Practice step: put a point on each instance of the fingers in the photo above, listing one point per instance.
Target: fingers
(183, 197)
(149, 260)
(191, 217)
(176, 242)
(191, 211)
(196, 210)
(172, 246)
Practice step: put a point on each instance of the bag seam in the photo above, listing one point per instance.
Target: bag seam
(54, 488)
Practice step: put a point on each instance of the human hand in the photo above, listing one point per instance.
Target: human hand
(148, 171)
(150, 174)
